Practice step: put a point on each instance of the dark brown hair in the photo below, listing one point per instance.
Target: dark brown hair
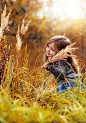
(61, 43)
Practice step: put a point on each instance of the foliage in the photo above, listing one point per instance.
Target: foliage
(28, 96)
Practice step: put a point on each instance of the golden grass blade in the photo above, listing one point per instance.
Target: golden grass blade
(2, 120)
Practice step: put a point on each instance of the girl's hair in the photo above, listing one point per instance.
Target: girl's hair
(61, 43)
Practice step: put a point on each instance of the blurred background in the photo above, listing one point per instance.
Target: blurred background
(47, 18)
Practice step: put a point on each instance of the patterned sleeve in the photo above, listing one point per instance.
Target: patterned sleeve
(59, 69)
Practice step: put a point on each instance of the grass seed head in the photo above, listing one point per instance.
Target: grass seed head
(24, 27)
(19, 43)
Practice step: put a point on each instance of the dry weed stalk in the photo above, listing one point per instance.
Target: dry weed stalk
(64, 53)
(4, 50)
(23, 27)
(4, 21)
(19, 43)
(23, 31)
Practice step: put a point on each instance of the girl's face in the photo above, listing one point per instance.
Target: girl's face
(51, 50)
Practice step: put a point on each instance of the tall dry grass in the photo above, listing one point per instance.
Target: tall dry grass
(29, 96)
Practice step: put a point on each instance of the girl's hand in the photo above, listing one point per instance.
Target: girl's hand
(46, 64)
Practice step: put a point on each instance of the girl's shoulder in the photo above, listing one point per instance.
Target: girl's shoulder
(62, 62)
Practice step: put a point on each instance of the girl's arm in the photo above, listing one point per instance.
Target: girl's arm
(46, 64)
(58, 70)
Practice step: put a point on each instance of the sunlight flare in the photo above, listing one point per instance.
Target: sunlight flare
(72, 9)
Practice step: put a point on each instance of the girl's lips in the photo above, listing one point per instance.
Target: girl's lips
(48, 54)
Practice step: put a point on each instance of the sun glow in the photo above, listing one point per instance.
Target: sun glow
(65, 9)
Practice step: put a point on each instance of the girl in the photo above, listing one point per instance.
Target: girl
(64, 68)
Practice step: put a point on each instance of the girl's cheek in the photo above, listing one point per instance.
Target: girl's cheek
(46, 48)
(54, 54)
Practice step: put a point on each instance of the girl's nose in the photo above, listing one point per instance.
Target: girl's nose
(48, 49)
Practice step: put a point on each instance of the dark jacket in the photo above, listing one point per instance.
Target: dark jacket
(62, 71)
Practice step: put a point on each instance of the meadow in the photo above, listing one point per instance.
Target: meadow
(29, 96)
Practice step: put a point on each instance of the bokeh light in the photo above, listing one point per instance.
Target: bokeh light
(72, 9)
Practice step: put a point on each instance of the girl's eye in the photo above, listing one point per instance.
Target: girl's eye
(52, 49)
